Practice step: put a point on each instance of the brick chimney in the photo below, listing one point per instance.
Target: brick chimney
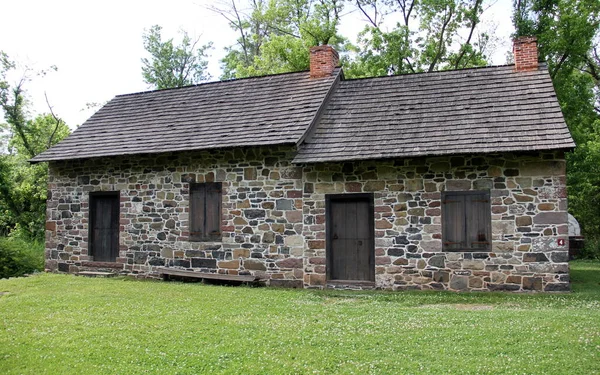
(526, 53)
(323, 60)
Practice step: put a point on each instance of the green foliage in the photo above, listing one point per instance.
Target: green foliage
(66, 324)
(18, 257)
(591, 249)
(275, 35)
(382, 53)
(568, 35)
(22, 185)
(42, 132)
(565, 30)
(172, 65)
(432, 35)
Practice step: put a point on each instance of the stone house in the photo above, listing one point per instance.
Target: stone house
(451, 180)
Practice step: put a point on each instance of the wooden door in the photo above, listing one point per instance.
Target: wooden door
(350, 237)
(104, 226)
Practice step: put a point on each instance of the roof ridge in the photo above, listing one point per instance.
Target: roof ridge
(210, 83)
(542, 66)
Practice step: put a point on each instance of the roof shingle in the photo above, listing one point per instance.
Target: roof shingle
(481, 110)
(265, 110)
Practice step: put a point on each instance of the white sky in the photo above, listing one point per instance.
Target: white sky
(97, 46)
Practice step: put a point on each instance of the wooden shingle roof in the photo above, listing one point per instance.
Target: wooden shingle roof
(481, 110)
(268, 110)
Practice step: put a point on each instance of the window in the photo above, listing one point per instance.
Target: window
(466, 221)
(205, 212)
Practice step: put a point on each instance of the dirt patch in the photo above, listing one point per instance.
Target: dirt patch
(337, 300)
(459, 306)
(473, 307)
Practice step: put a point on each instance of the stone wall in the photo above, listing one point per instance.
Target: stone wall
(274, 217)
(529, 221)
(262, 212)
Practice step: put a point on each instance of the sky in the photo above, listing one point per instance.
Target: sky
(97, 45)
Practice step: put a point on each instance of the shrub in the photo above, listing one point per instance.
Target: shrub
(591, 249)
(18, 257)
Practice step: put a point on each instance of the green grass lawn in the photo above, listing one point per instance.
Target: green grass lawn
(63, 324)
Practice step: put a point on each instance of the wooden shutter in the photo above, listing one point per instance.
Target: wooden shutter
(478, 220)
(205, 211)
(212, 227)
(466, 221)
(453, 225)
(197, 199)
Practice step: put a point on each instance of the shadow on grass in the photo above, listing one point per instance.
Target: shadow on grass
(585, 282)
(585, 277)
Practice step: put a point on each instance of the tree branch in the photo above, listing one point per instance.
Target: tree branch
(235, 19)
(441, 40)
(406, 13)
(56, 119)
(285, 32)
(410, 65)
(473, 20)
(372, 21)
(560, 62)
(15, 116)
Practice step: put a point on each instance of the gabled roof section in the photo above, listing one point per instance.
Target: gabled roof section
(269, 110)
(481, 110)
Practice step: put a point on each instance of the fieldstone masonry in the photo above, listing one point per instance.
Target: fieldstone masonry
(273, 217)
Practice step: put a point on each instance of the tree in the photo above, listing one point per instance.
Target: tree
(431, 35)
(172, 65)
(23, 186)
(274, 36)
(568, 36)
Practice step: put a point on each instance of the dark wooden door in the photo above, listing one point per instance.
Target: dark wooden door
(350, 236)
(104, 224)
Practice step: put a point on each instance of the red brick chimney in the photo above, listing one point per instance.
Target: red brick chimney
(323, 60)
(526, 53)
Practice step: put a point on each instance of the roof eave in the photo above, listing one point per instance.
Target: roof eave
(298, 161)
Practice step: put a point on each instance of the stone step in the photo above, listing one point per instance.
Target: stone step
(96, 274)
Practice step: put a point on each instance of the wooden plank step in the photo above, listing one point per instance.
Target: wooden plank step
(96, 274)
(350, 284)
(206, 275)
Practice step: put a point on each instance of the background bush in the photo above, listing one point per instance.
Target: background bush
(591, 249)
(18, 257)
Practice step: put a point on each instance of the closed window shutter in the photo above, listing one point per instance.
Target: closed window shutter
(213, 211)
(478, 221)
(466, 221)
(205, 211)
(197, 216)
(454, 222)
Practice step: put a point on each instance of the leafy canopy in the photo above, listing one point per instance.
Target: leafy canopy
(275, 35)
(171, 65)
(431, 35)
(568, 37)
(22, 185)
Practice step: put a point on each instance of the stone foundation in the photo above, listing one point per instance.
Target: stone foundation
(273, 217)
